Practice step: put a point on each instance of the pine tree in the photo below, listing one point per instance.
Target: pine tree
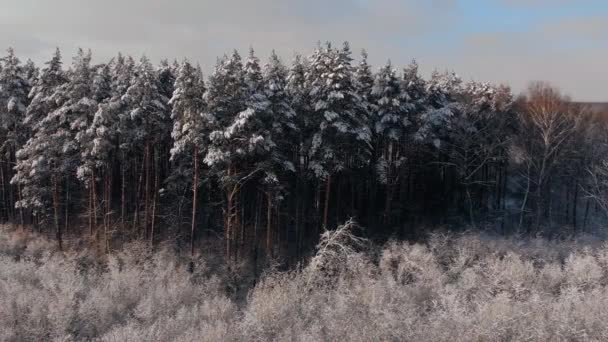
(364, 80)
(110, 127)
(414, 96)
(389, 110)
(167, 73)
(148, 125)
(250, 141)
(14, 89)
(391, 124)
(32, 168)
(52, 153)
(342, 136)
(95, 153)
(51, 77)
(92, 148)
(13, 103)
(442, 92)
(190, 129)
(281, 122)
(296, 89)
(30, 73)
(227, 99)
(280, 113)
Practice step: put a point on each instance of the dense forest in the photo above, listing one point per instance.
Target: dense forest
(268, 156)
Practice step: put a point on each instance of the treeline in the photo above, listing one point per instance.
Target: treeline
(268, 155)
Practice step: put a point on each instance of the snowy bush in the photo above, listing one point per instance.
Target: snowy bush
(466, 287)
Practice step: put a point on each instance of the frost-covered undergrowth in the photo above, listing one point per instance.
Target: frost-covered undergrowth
(453, 288)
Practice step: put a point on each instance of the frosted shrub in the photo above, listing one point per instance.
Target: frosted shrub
(279, 304)
(511, 275)
(333, 251)
(582, 270)
(455, 287)
(407, 264)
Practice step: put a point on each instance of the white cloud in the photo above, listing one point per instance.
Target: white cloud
(400, 30)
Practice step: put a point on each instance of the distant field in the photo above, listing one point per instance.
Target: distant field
(454, 288)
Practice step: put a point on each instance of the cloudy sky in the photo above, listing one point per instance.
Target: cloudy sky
(504, 41)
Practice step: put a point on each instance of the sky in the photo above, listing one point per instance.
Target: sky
(564, 42)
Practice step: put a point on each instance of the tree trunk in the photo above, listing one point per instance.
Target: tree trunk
(5, 203)
(109, 204)
(123, 188)
(525, 200)
(258, 209)
(228, 218)
(470, 206)
(138, 195)
(11, 195)
(586, 214)
(297, 215)
(326, 207)
(55, 182)
(67, 205)
(240, 239)
(575, 205)
(91, 206)
(147, 191)
(269, 238)
(21, 215)
(106, 210)
(388, 202)
(194, 198)
(94, 191)
(154, 198)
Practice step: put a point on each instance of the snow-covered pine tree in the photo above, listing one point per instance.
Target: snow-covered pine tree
(100, 92)
(391, 124)
(342, 136)
(167, 74)
(226, 97)
(281, 114)
(13, 102)
(296, 89)
(232, 100)
(390, 120)
(364, 80)
(148, 127)
(102, 82)
(249, 142)
(281, 123)
(41, 101)
(413, 95)
(110, 125)
(14, 88)
(148, 110)
(53, 151)
(95, 159)
(30, 73)
(31, 170)
(190, 129)
(442, 94)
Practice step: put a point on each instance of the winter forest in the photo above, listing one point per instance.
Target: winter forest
(267, 156)
(315, 199)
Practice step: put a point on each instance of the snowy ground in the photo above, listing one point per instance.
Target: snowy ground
(454, 288)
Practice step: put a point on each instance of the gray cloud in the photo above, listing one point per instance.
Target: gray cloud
(590, 29)
(400, 30)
